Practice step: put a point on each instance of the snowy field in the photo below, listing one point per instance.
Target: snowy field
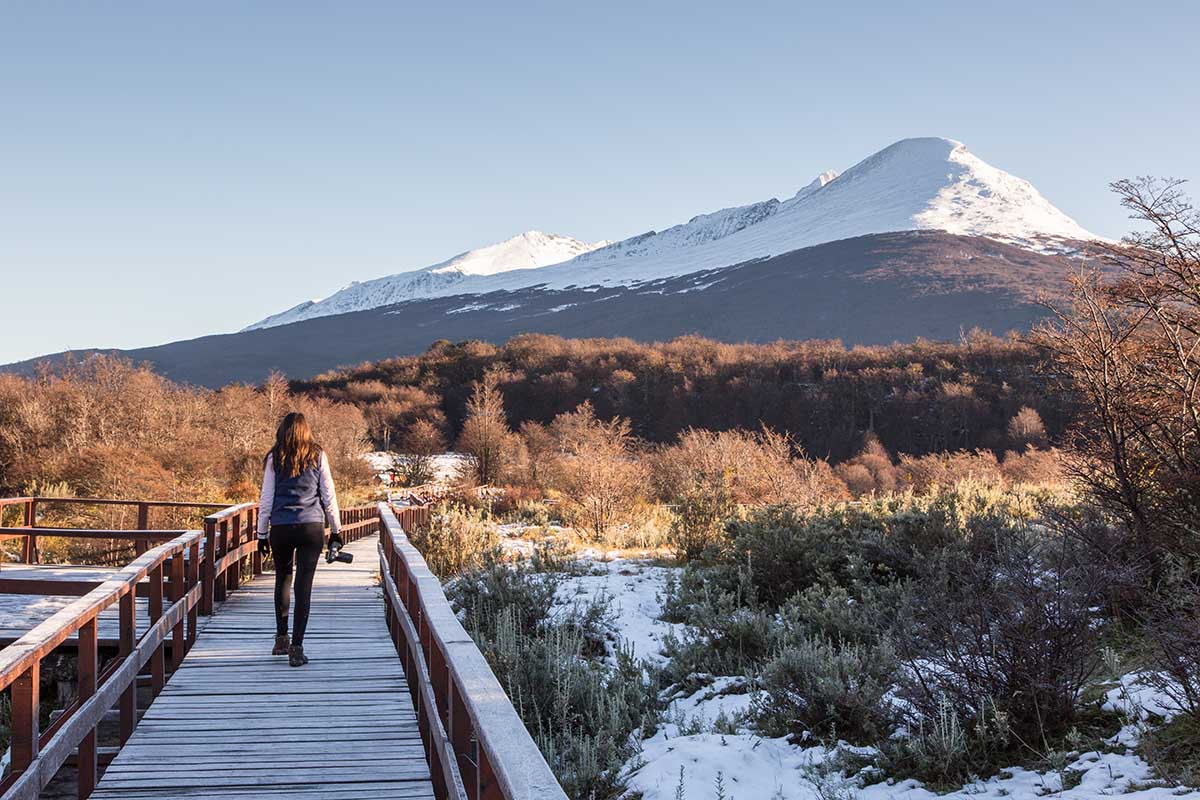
(689, 752)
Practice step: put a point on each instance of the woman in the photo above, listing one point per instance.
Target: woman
(297, 500)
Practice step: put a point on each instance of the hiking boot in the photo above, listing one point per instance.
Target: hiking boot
(281, 645)
(296, 657)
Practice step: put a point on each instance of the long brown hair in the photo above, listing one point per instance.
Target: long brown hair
(294, 450)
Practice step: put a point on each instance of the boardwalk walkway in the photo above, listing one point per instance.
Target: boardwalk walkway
(236, 722)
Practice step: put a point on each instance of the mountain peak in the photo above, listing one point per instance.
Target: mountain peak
(921, 183)
(528, 250)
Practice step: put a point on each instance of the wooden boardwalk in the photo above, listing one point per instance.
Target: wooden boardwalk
(236, 722)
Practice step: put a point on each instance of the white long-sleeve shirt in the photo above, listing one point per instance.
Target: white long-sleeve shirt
(328, 496)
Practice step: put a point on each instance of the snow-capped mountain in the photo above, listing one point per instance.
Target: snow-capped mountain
(528, 250)
(915, 184)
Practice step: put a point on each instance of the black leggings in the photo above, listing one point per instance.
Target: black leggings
(302, 544)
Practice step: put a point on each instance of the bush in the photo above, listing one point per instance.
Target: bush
(699, 519)
(1011, 628)
(944, 752)
(1172, 632)
(456, 540)
(1173, 750)
(817, 687)
(788, 551)
(727, 632)
(580, 706)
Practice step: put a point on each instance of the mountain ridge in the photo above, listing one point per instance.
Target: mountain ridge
(872, 289)
(927, 183)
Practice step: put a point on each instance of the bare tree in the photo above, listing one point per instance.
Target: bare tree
(1026, 429)
(1129, 348)
(422, 441)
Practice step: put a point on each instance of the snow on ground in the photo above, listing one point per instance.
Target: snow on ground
(723, 703)
(633, 590)
(1139, 699)
(756, 768)
(705, 733)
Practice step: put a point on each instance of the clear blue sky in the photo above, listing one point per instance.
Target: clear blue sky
(169, 170)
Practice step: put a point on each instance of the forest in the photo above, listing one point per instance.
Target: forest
(917, 398)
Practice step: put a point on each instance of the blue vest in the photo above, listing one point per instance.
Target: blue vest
(297, 499)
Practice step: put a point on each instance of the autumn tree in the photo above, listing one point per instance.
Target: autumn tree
(485, 435)
(541, 453)
(602, 480)
(1026, 429)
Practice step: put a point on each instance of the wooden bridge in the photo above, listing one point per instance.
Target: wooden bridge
(177, 695)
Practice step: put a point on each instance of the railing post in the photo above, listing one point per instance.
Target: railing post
(30, 553)
(208, 574)
(86, 677)
(26, 703)
(256, 559)
(461, 732)
(158, 657)
(143, 524)
(193, 577)
(128, 635)
(489, 787)
(177, 593)
(235, 574)
(221, 584)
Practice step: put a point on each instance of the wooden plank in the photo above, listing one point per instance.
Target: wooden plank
(236, 722)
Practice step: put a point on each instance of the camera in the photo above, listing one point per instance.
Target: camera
(334, 553)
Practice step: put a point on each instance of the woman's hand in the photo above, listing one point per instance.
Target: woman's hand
(264, 546)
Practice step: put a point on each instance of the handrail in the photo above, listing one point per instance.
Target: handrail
(475, 735)
(37, 756)
(111, 501)
(30, 531)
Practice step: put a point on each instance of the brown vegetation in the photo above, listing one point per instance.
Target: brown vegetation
(105, 427)
(917, 398)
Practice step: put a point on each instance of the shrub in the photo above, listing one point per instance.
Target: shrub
(948, 469)
(788, 551)
(456, 540)
(699, 519)
(1033, 466)
(754, 467)
(1172, 632)
(944, 752)
(727, 632)
(581, 707)
(817, 687)
(1010, 628)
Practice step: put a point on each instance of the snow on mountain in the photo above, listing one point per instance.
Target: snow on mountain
(528, 250)
(915, 184)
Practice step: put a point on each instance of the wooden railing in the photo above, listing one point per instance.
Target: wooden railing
(173, 591)
(478, 747)
(411, 517)
(175, 571)
(29, 506)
